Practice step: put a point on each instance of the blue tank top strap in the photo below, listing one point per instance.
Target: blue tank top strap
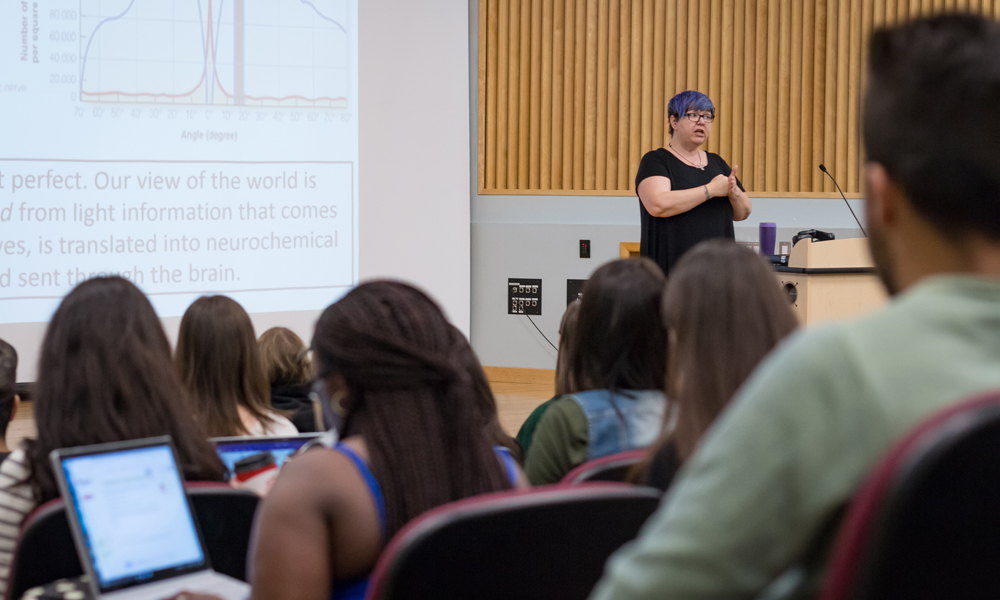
(373, 486)
(508, 462)
(354, 589)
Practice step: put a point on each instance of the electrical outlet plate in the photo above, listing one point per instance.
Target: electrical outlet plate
(574, 290)
(524, 296)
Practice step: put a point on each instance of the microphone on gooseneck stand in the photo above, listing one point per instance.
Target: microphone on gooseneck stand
(823, 168)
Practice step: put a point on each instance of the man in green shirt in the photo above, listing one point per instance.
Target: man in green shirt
(763, 493)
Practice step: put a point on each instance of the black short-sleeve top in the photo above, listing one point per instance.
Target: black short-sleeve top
(665, 239)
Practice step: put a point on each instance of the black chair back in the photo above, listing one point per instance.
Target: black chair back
(547, 544)
(225, 516)
(46, 551)
(927, 523)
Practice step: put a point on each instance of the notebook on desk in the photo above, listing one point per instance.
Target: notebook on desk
(132, 522)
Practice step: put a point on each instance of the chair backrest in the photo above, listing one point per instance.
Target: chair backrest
(46, 552)
(225, 515)
(549, 543)
(926, 522)
(613, 467)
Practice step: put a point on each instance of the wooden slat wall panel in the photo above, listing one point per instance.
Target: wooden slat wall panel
(601, 118)
(572, 93)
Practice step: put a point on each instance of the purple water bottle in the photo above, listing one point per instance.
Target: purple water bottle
(768, 232)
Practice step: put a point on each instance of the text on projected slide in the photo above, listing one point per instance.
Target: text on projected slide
(192, 146)
(227, 227)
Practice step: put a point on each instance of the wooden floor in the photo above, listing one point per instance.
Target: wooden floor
(22, 426)
(515, 401)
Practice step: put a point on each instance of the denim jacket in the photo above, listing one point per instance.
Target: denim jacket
(620, 421)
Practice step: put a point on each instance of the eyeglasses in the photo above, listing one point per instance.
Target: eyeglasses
(693, 116)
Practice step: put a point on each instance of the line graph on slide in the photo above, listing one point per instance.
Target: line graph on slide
(274, 53)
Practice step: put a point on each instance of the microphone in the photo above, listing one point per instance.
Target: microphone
(830, 175)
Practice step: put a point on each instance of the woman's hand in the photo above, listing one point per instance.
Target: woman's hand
(718, 187)
(734, 189)
(740, 201)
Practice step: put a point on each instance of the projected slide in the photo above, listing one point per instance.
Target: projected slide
(190, 52)
(192, 146)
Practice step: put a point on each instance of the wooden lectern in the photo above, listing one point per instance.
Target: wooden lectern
(831, 280)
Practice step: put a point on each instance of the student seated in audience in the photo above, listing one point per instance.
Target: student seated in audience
(724, 312)
(104, 375)
(413, 438)
(289, 370)
(616, 368)
(9, 400)
(563, 384)
(763, 491)
(218, 360)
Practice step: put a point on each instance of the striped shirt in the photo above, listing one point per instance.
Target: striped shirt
(16, 501)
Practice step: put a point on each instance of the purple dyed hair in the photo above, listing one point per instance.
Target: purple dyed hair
(685, 101)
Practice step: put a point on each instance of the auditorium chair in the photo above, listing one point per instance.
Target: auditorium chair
(613, 467)
(550, 543)
(926, 522)
(225, 516)
(45, 551)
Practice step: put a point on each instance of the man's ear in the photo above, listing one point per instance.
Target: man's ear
(17, 404)
(882, 196)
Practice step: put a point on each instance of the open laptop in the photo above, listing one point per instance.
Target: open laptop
(135, 532)
(232, 449)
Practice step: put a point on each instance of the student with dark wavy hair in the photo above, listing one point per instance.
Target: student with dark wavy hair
(617, 369)
(414, 437)
(104, 375)
(219, 361)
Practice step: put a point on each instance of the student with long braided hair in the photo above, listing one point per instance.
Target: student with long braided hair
(415, 436)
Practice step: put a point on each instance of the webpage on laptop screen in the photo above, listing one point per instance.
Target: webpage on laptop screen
(134, 514)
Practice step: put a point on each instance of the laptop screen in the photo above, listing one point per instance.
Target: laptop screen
(133, 513)
(232, 450)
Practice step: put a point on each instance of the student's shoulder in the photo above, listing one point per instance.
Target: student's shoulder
(565, 412)
(811, 371)
(309, 476)
(14, 467)
(281, 426)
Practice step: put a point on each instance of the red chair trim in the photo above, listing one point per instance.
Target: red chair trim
(507, 498)
(33, 515)
(630, 456)
(864, 508)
